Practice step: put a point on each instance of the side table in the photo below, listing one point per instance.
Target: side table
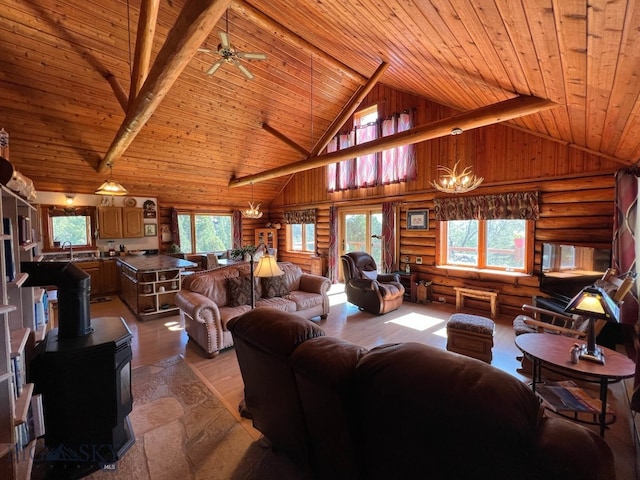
(551, 352)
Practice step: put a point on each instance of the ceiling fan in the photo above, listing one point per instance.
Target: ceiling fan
(229, 54)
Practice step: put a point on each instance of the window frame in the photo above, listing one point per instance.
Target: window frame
(303, 227)
(47, 228)
(481, 264)
(192, 214)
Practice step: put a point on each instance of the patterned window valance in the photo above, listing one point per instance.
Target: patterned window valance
(300, 216)
(55, 211)
(506, 206)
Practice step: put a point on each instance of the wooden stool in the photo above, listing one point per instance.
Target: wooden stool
(478, 294)
(471, 335)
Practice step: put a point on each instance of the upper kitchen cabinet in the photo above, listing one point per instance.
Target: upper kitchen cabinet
(120, 222)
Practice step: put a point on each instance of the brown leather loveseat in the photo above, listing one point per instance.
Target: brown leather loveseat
(400, 411)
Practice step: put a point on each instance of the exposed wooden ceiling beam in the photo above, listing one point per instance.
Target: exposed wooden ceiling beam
(285, 139)
(192, 27)
(144, 44)
(481, 117)
(119, 92)
(279, 31)
(349, 109)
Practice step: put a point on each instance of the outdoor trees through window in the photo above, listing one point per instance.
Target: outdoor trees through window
(491, 244)
(205, 232)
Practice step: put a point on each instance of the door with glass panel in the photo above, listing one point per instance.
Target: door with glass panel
(361, 231)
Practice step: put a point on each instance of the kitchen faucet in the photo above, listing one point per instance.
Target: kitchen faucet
(70, 249)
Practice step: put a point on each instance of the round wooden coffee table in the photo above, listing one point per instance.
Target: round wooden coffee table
(552, 352)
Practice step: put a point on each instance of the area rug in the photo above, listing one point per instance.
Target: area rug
(183, 431)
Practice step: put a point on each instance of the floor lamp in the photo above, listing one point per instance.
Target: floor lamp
(267, 267)
(594, 303)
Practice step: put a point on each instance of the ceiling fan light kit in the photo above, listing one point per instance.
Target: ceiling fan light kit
(452, 181)
(229, 54)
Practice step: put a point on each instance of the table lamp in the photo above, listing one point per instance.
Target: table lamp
(267, 267)
(593, 302)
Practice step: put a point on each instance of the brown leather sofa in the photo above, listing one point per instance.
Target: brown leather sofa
(401, 411)
(373, 292)
(206, 304)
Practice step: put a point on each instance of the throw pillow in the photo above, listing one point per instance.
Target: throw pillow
(239, 291)
(274, 287)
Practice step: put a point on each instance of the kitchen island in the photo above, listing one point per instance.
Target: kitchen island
(148, 283)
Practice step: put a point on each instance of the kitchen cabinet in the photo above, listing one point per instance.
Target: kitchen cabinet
(110, 222)
(120, 222)
(104, 276)
(132, 222)
(148, 284)
(93, 269)
(110, 277)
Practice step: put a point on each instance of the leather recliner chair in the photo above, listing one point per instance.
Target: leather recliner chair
(369, 290)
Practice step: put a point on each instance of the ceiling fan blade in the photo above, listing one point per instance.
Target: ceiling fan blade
(215, 67)
(252, 55)
(224, 39)
(206, 50)
(244, 70)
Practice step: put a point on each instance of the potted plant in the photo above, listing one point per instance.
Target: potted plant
(174, 248)
(243, 253)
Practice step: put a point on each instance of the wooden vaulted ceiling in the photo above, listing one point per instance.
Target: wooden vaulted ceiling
(64, 61)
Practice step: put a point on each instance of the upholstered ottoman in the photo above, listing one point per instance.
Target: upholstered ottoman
(471, 335)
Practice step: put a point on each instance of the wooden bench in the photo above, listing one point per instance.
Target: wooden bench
(478, 294)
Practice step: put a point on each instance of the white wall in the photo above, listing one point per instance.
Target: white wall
(81, 200)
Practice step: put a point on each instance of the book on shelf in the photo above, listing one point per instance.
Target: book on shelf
(568, 397)
(17, 370)
(10, 266)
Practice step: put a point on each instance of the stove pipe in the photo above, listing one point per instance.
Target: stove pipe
(74, 294)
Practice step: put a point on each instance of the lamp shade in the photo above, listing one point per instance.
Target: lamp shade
(268, 267)
(594, 302)
(109, 187)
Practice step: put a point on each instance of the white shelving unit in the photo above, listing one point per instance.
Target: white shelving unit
(17, 326)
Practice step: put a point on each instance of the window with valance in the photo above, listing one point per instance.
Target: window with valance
(488, 231)
(515, 205)
(300, 216)
(301, 230)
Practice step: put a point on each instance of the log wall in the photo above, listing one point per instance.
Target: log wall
(576, 197)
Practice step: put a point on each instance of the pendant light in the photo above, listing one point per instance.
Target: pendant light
(110, 186)
(252, 212)
(452, 181)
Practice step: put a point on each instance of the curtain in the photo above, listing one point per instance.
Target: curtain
(513, 206)
(388, 237)
(346, 168)
(624, 253)
(332, 168)
(398, 164)
(367, 165)
(333, 260)
(300, 216)
(175, 231)
(237, 229)
(391, 166)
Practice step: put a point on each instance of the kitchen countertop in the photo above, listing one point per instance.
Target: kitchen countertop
(154, 263)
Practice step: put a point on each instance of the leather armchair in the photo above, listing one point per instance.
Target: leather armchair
(373, 292)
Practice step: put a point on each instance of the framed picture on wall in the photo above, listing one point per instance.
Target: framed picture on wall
(418, 220)
(150, 230)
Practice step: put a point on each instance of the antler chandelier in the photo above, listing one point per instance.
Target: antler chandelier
(252, 212)
(453, 182)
